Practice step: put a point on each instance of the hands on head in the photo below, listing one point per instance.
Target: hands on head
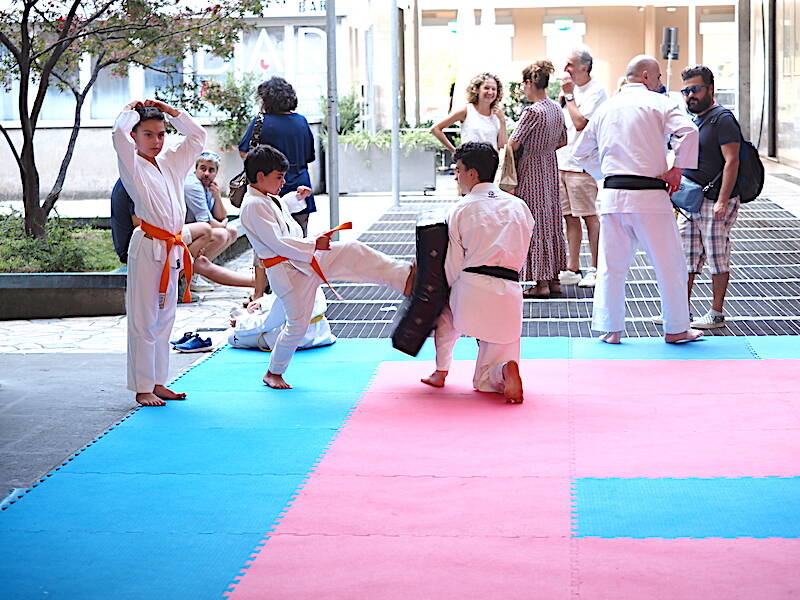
(166, 108)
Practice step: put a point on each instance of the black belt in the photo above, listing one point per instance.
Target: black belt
(499, 272)
(634, 182)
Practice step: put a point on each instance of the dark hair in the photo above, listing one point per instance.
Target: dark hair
(148, 113)
(277, 96)
(698, 71)
(479, 156)
(539, 73)
(264, 159)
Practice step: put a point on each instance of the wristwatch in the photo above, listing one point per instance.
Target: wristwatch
(569, 97)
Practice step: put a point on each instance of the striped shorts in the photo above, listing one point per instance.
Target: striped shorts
(706, 239)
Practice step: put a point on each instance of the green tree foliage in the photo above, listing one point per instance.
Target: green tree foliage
(235, 98)
(42, 41)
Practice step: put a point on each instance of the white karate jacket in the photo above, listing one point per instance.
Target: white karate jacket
(487, 227)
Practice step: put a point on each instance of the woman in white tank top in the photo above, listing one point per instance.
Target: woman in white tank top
(482, 119)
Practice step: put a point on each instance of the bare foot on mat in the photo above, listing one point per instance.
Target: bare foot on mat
(612, 337)
(435, 379)
(276, 382)
(513, 383)
(690, 335)
(149, 399)
(167, 394)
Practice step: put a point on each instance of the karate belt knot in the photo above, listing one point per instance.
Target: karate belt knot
(171, 239)
(276, 260)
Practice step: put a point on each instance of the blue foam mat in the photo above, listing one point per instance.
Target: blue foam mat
(120, 566)
(758, 507)
(782, 347)
(192, 504)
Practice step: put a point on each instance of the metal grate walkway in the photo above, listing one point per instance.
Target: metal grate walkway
(763, 296)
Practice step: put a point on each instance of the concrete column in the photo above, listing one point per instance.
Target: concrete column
(743, 97)
(651, 40)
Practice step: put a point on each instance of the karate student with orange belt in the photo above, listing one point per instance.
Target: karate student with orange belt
(296, 265)
(154, 180)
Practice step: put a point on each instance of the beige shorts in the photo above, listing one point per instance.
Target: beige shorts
(578, 192)
(186, 235)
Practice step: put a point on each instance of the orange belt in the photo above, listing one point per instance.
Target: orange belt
(171, 239)
(271, 262)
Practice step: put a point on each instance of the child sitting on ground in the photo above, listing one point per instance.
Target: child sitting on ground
(294, 263)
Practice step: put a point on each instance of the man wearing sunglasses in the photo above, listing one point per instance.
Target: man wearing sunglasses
(706, 234)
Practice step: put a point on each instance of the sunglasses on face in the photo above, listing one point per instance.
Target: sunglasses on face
(692, 89)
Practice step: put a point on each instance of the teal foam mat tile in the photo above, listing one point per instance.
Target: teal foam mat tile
(262, 409)
(775, 347)
(710, 348)
(757, 507)
(153, 504)
(208, 450)
(128, 566)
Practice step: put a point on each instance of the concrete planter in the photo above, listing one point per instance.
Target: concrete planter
(370, 170)
(53, 295)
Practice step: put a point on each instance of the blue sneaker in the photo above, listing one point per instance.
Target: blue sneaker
(195, 344)
(184, 338)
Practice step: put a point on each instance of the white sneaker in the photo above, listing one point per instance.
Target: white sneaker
(588, 280)
(709, 321)
(568, 277)
(200, 285)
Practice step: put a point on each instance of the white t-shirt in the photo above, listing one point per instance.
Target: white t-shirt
(587, 98)
(480, 128)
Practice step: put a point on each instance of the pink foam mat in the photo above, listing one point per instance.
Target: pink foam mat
(404, 567)
(711, 569)
(450, 493)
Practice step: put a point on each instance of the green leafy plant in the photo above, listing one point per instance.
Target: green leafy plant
(349, 113)
(515, 101)
(235, 100)
(65, 248)
(410, 140)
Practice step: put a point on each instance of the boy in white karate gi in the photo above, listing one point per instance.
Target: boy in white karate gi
(490, 233)
(154, 181)
(274, 234)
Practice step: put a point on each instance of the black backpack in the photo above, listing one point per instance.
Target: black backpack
(750, 180)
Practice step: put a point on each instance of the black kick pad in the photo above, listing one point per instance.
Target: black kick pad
(417, 315)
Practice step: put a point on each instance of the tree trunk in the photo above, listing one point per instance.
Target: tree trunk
(34, 216)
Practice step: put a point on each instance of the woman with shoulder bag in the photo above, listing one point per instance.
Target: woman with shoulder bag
(279, 126)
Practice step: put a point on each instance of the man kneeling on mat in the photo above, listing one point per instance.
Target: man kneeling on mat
(490, 233)
(296, 265)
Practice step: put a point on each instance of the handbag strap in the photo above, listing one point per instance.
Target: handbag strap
(255, 139)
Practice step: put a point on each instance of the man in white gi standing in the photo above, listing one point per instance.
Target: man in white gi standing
(625, 144)
(154, 181)
(490, 234)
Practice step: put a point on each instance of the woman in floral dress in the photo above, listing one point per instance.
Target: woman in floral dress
(540, 131)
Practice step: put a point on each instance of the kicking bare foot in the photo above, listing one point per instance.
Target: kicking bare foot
(612, 337)
(690, 335)
(513, 383)
(410, 280)
(149, 399)
(201, 264)
(167, 394)
(435, 379)
(276, 382)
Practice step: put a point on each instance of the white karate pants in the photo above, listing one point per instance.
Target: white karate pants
(349, 261)
(149, 327)
(620, 235)
(492, 357)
